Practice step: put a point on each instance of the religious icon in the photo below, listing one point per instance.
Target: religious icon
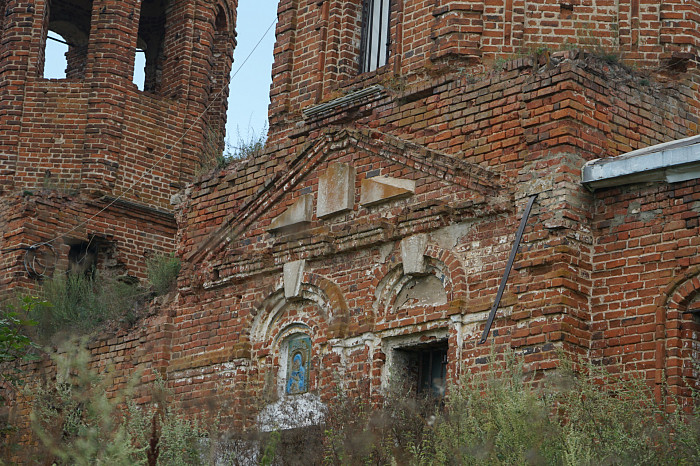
(298, 361)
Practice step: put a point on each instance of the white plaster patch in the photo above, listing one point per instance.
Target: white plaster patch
(448, 237)
(385, 251)
(424, 291)
(291, 412)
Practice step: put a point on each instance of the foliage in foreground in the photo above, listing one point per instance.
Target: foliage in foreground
(574, 417)
(569, 418)
(78, 422)
(15, 348)
(76, 304)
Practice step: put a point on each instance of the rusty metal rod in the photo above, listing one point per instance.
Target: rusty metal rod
(509, 265)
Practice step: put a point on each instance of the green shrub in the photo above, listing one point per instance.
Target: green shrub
(499, 416)
(74, 418)
(245, 147)
(162, 272)
(77, 422)
(80, 304)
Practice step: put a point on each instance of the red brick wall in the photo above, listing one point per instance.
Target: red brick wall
(94, 132)
(532, 126)
(316, 56)
(476, 146)
(645, 273)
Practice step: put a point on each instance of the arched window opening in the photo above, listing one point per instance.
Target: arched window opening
(221, 23)
(690, 342)
(66, 42)
(56, 62)
(220, 64)
(151, 37)
(3, 10)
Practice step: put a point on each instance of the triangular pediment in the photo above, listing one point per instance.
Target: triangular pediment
(354, 177)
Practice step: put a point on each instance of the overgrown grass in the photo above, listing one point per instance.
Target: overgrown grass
(76, 421)
(162, 272)
(576, 416)
(573, 417)
(244, 147)
(76, 304)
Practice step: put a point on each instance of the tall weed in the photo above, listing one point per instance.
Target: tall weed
(78, 304)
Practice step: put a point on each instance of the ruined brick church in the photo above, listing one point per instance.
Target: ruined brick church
(408, 141)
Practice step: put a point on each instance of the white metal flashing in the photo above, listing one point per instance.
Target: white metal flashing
(671, 162)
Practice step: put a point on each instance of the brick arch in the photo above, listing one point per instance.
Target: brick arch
(671, 304)
(332, 309)
(389, 278)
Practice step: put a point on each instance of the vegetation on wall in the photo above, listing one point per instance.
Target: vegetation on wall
(245, 147)
(242, 148)
(162, 272)
(497, 417)
(77, 304)
(81, 417)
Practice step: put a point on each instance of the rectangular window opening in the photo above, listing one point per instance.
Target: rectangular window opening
(374, 49)
(424, 367)
(149, 57)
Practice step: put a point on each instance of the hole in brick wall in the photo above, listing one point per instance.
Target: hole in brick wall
(67, 36)
(82, 259)
(424, 366)
(566, 10)
(3, 13)
(151, 37)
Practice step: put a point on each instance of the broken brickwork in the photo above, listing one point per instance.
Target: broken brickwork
(412, 257)
(370, 237)
(80, 143)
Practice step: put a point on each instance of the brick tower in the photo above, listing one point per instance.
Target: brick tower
(91, 161)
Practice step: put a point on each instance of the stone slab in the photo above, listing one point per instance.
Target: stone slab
(293, 273)
(299, 213)
(384, 188)
(412, 254)
(336, 190)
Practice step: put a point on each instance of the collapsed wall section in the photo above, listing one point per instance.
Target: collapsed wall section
(122, 235)
(97, 135)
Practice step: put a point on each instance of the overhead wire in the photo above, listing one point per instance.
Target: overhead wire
(151, 168)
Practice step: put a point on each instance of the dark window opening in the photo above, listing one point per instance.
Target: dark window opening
(220, 24)
(82, 259)
(374, 48)
(3, 12)
(424, 367)
(149, 53)
(64, 54)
